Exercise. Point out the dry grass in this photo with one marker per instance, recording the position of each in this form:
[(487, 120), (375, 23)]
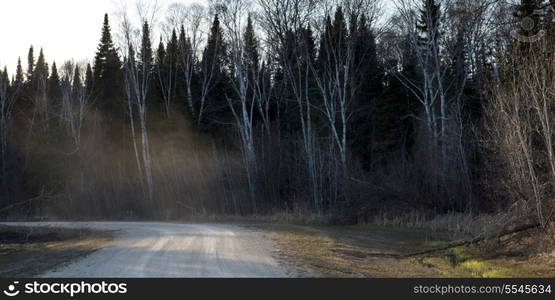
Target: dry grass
[(27, 252), (358, 251), (456, 224)]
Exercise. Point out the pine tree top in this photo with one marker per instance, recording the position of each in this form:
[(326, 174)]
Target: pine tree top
[(107, 58), (19, 77), (77, 78), (41, 68), (146, 53), (160, 54), (30, 63), (54, 72)]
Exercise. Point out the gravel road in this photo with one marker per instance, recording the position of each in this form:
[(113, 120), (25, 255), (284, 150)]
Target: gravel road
[(145, 249)]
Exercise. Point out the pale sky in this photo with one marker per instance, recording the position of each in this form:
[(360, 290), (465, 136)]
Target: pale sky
[(66, 29)]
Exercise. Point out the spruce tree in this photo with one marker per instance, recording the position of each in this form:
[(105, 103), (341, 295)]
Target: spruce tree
[(165, 75), (77, 84), (333, 43), (183, 44), (145, 53), (40, 74), (214, 55), (107, 69), (6, 77), (172, 53), (19, 77), (392, 128), (428, 24), (173, 48), (308, 41), (214, 61), (89, 79), (366, 58), (161, 60), (325, 42), (371, 112), (187, 70), (252, 56), (160, 56), (339, 33), (30, 64), (54, 83)]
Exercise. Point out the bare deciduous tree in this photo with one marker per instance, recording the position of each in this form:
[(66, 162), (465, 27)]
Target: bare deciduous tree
[(137, 84), (521, 133)]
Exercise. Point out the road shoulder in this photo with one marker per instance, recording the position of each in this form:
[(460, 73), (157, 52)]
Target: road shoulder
[(30, 251), (369, 252)]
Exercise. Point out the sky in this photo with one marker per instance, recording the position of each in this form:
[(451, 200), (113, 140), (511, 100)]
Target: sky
[(66, 29)]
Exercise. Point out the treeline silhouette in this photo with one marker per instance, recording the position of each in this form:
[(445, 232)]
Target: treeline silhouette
[(296, 106)]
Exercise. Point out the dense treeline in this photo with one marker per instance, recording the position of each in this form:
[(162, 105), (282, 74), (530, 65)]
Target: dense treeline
[(325, 107)]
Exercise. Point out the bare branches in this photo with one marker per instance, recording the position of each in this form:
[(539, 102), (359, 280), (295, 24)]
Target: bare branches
[(521, 133), (137, 79)]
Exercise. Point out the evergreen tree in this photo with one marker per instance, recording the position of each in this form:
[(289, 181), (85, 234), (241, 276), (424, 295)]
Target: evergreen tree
[(41, 72), (185, 57), (299, 51), (89, 79), (339, 34), (162, 70), (306, 37), (54, 83), (325, 42), (77, 84), (145, 53), (366, 61), (6, 77), (214, 55), (172, 53), (19, 77), (107, 69), (333, 42), (173, 48), (428, 25), (213, 71), (251, 56), (167, 71), (30, 64), (161, 55), (251, 59), (183, 43), (369, 75), (393, 128)]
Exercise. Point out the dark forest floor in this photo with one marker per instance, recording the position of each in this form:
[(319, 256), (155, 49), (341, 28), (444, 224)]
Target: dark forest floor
[(28, 252)]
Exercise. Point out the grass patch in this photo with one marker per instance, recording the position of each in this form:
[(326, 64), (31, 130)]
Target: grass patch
[(368, 251), (475, 262)]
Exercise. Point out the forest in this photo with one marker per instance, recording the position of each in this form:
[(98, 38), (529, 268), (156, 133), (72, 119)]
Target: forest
[(332, 111)]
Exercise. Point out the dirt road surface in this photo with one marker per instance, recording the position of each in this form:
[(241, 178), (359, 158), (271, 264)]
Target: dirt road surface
[(145, 249)]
